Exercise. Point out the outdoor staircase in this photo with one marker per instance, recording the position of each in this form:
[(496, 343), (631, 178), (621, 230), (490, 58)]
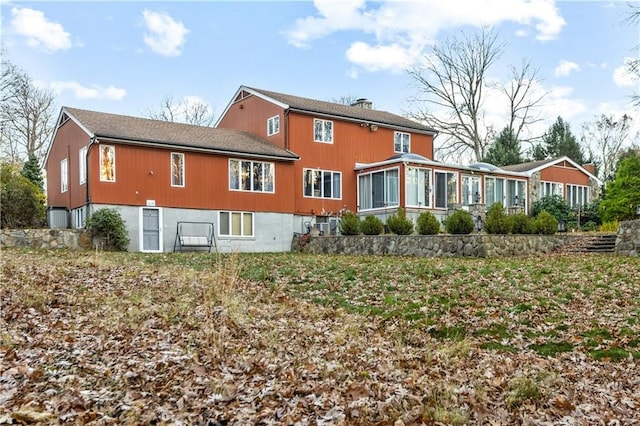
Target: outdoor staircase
[(598, 243)]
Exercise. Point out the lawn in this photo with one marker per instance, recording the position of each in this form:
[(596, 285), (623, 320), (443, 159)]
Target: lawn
[(123, 338)]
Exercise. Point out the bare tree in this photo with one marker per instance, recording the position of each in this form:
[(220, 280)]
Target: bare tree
[(26, 115), (634, 66), (606, 136), (345, 99), (191, 110), (453, 80)]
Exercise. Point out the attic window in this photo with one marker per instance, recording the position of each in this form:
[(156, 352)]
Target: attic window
[(63, 119)]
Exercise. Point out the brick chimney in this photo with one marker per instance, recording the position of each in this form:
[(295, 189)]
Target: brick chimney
[(591, 168), (363, 103)]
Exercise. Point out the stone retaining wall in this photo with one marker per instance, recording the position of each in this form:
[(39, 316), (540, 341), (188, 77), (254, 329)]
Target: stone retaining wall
[(73, 239), (472, 245), (628, 239)]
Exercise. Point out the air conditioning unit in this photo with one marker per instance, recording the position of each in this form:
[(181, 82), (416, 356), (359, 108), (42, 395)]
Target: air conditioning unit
[(324, 228)]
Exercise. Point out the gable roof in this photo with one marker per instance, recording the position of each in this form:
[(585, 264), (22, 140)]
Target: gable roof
[(346, 112), (145, 131), (534, 166)]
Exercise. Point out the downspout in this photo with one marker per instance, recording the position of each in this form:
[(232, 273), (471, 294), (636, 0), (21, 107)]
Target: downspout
[(92, 141)]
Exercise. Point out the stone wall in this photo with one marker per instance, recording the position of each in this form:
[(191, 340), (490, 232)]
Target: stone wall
[(472, 245), (73, 239), (628, 239)]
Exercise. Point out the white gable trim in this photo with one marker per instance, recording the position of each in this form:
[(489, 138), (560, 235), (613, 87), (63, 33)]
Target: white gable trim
[(254, 93), (570, 161), (63, 111)]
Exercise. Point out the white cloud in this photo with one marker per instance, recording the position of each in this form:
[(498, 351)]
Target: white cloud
[(622, 77), (565, 68), (164, 35), (38, 31), (376, 58), (94, 92), (398, 26)]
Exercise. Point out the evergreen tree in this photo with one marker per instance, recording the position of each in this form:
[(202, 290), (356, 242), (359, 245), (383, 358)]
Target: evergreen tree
[(622, 197), (505, 150), (558, 141), (32, 171)]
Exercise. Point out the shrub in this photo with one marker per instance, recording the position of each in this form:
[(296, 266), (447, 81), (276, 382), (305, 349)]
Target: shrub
[(519, 223), (609, 226), (371, 225), (496, 221), (460, 222), (545, 224), (22, 204), (553, 204), (399, 224), (427, 224), (107, 224), (349, 224)]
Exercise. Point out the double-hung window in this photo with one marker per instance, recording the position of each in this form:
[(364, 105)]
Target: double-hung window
[(82, 165), (322, 131), (235, 224), (64, 175), (379, 189), (418, 181), (322, 183), (177, 169), (401, 142), (273, 125), (446, 185), (254, 176)]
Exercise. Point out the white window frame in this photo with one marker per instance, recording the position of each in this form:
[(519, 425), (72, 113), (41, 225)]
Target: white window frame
[(64, 175), (493, 181), (311, 176), (231, 214), (182, 171), (448, 193), (414, 184), (581, 195), (102, 149), (401, 142), (273, 125), (548, 188), (390, 199), (469, 197), (325, 136), (522, 197), (82, 165), (239, 177)]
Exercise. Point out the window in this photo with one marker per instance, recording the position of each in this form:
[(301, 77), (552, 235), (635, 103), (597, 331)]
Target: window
[(516, 193), (235, 224), (418, 183), (446, 184), (107, 163), (64, 176), (273, 125), (471, 193), (322, 131), (548, 189), (493, 191), (322, 183), (577, 196), (177, 169), (401, 142), (379, 189), (82, 165), (252, 176)]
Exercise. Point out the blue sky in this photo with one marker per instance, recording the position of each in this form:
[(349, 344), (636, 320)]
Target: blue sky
[(125, 57)]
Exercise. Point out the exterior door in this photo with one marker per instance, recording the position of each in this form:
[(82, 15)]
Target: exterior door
[(151, 231)]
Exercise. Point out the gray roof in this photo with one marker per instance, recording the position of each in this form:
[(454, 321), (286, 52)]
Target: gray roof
[(144, 130), (525, 167), (345, 111)]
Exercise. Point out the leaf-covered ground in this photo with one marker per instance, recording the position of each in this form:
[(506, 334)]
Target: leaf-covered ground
[(104, 338)]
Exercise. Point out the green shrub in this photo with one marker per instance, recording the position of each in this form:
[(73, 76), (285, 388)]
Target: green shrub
[(519, 223), (399, 224), (349, 224), (22, 203), (545, 224), (427, 224), (371, 225), (107, 224), (553, 204), (496, 221), (609, 226), (460, 222)]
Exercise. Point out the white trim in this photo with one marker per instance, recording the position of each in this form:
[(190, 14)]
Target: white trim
[(184, 166), (401, 134), (315, 120), (276, 120), (82, 165), (559, 160), (141, 230), (321, 197), (100, 157), (64, 175)]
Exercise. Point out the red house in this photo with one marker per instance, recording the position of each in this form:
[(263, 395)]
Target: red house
[(274, 165)]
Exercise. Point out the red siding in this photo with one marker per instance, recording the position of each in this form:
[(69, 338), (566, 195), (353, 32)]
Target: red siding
[(564, 173)]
